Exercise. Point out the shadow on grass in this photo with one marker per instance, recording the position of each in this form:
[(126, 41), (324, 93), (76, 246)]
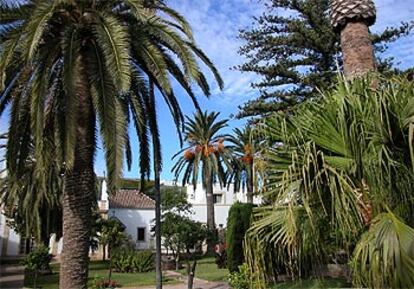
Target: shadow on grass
[(97, 269)]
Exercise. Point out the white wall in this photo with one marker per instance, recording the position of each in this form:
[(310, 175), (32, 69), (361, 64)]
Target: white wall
[(220, 214), (134, 218), (14, 243), (198, 196), (13, 239)]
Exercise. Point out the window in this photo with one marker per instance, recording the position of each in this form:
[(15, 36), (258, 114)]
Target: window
[(217, 198), (141, 234)]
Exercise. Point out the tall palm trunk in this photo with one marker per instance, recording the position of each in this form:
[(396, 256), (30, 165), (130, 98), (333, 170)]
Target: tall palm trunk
[(79, 193), (158, 272), (250, 186), (157, 171), (352, 18), (357, 49), (210, 216)]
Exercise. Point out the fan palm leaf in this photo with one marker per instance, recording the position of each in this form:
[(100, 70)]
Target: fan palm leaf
[(339, 162)]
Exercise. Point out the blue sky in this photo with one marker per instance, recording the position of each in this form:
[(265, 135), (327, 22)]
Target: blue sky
[(216, 24)]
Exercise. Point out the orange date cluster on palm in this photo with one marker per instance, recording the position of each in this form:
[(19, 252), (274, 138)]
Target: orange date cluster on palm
[(248, 155), (205, 150), (189, 155)]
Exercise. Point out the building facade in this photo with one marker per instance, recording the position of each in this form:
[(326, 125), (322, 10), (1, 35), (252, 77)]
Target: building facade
[(136, 211)]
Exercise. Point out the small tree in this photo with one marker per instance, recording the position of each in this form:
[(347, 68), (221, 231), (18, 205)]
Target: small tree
[(185, 236), (37, 261), (111, 235), (174, 206)]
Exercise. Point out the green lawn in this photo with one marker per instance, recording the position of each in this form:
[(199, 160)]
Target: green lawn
[(207, 270), (97, 269), (313, 284)]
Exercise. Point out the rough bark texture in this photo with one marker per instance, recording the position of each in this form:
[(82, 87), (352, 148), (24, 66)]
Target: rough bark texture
[(157, 171), (210, 216), (158, 268), (357, 49), (79, 194), (250, 186)]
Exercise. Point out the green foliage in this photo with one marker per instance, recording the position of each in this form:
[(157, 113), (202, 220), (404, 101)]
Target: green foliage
[(117, 52), (245, 162), (129, 260), (101, 283), (111, 232), (207, 152), (205, 149), (240, 278), (333, 166), (38, 260), (293, 49), (98, 269), (180, 233), (34, 208), (175, 199), (238, 223), (385, 256)]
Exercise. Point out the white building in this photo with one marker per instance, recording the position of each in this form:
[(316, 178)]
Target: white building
[(10, 241), (136, 211), (224, 198)]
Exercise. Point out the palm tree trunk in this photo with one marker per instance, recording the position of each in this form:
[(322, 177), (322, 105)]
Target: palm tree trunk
[(210, 216), (158, 268), (79, 194), (157, 171), (250, 186), (357, 49)]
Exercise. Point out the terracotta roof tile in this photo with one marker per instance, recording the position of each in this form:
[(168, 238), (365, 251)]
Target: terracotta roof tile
[(131, 199)]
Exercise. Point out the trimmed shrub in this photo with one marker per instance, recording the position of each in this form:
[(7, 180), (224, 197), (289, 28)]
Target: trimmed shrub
[(128, 260), (238, 222), (38, 260), (240, 279)]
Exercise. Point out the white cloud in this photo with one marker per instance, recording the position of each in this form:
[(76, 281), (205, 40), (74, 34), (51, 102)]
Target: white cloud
[(216, 25)]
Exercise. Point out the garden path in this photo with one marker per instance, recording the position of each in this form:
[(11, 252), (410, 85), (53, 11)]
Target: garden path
[(198, 283)]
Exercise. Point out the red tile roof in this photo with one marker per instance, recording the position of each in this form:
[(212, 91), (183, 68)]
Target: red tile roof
[(131, 199)]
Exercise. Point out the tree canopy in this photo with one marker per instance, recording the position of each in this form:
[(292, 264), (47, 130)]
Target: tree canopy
[(294, 50)]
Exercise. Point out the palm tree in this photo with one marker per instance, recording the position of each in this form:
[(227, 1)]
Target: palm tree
[(205, 149), (33, 202), (69, 67), (352, 18), (243, 174), (326, 160)]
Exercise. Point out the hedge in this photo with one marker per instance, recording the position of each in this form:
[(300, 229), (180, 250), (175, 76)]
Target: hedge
[(238, 222)]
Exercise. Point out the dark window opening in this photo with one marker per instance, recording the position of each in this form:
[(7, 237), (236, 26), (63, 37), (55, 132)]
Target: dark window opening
[(141, 235), (217, 198)]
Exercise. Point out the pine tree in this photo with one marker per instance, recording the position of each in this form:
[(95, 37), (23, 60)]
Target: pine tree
[(293, 47)]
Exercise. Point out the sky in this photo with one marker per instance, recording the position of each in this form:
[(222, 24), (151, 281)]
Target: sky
[(215, 25)]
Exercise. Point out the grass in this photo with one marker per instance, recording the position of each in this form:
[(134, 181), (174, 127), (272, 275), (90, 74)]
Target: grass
[(207, 270), (313, 284), (97, 269)]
